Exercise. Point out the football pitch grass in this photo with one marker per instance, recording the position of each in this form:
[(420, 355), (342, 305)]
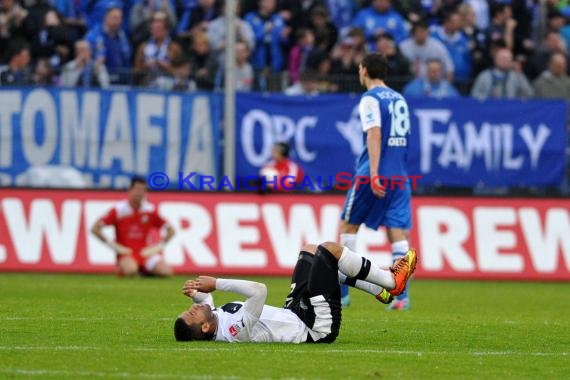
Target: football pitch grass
[(100, 326)]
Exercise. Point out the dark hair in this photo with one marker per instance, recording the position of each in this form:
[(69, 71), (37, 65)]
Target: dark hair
[(385, 35), (184, 332), (499, 43), (137, 179), (422, 23), (16, 47), (447, 15), (320, 10), (283, 148), (554, 13), (376, 65), (497, 8), (302, 32)]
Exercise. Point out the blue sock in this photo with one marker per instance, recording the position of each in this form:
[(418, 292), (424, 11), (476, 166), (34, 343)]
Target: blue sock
[(344, 290)]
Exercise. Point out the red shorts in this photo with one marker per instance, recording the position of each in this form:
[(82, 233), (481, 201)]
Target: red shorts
[(146, 264)]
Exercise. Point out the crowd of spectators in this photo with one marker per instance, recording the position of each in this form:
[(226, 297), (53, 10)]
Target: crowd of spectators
[(435, 48)]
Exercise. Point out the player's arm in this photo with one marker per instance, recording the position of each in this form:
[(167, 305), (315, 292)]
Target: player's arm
[(118, 248), (371, 124), (168, 234), (200, 298), (255, 292), (373, 139)]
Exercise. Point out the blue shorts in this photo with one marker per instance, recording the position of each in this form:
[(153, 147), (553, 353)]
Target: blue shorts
[(393, 211)]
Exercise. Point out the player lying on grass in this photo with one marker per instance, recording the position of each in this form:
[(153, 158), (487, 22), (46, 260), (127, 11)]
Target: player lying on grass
[(312, 310)]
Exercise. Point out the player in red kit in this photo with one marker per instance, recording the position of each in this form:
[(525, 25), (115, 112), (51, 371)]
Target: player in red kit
[(134, 219), (282, 173)]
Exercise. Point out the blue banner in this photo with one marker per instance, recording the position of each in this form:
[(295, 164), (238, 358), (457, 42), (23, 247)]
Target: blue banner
[(459, 142), (107, 135)]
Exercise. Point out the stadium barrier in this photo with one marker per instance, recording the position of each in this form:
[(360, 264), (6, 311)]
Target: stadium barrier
[(108, 136), (251, 234)]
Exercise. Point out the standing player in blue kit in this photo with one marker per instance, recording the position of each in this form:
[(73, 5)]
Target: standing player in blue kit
[(385, 120)]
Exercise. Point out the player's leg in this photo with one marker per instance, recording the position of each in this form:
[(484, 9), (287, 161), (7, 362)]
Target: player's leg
[(322, 298), (300, 278), (357, 206), (377, 291), (156, 266), (353, 265), (398, 221), (162, 269), (348, 233), (127, 266), (399, 240)]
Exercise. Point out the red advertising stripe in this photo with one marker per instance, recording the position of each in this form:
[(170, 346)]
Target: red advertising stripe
[(245, 234)]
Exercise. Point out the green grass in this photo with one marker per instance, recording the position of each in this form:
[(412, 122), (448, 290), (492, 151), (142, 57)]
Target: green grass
[(81, 326)]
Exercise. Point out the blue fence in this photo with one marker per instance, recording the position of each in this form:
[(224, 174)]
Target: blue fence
[(111, 135), (108, 135), (459, 142)]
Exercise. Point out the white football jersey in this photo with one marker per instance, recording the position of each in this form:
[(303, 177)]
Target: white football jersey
[(274, 325), (252, 320)]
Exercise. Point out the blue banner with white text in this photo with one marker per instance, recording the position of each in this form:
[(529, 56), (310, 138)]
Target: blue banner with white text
[(457, 142), (107, 136)]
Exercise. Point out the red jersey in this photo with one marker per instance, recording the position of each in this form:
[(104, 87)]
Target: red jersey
[(284, 168), (133, 227)]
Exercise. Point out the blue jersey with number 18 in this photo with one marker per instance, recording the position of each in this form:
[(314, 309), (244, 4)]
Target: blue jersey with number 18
[(384, 107)]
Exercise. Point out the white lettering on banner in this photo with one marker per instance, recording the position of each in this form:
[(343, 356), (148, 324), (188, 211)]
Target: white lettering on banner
[(545, 241), (303, 227), (80, 129), (249, 122), (27, 236), (232, 235), (536, 143), (5, 180), (509, 162), (39, 104), (489, 240), (118, 140), (438, 246), (98, 253), (275, 128), (300, 148), (200, 149), (493, 142), (496, 141), (476, 143), (149, 106), (452, 148), (366, 238), (117, 181), (283, 127), (173, 141), (191, 239), (428, 138), (10, 103), (470, 241)]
